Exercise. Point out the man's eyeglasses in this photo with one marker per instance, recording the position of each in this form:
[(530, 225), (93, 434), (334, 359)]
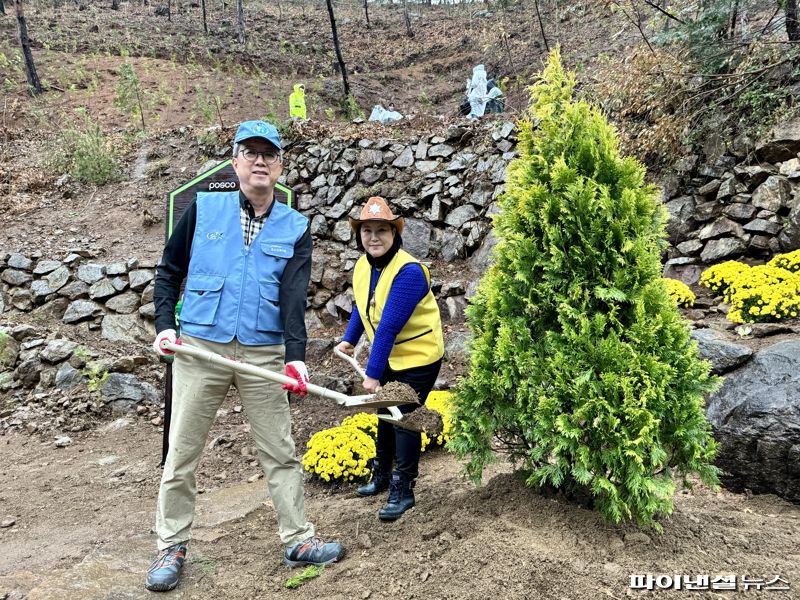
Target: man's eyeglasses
[(270, 156)]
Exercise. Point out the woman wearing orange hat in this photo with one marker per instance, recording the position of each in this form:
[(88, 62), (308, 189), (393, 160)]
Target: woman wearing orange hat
[(397, 310)]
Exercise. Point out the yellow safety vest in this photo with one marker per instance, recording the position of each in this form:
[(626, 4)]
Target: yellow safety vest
[(420, 342), (297, 103)]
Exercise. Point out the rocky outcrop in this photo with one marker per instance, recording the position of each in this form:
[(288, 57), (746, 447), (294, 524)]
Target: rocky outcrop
[(723, 355), (756, 416), (49, 382)]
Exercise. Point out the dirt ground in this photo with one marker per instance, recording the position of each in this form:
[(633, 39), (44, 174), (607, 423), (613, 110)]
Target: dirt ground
[(83, 516)]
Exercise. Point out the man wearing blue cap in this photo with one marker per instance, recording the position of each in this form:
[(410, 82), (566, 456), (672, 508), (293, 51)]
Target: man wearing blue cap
[(246, 260)]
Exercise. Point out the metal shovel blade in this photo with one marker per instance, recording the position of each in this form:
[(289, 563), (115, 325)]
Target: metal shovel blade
[(378, 403)]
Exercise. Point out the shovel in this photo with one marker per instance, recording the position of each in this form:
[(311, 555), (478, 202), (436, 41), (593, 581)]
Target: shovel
[(365, 401), (395, 417), (419, 420)]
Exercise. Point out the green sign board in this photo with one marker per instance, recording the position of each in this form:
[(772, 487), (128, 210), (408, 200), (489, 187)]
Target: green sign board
[(221, 178)]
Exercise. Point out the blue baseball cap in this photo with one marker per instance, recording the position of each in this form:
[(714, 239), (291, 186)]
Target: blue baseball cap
[(257, 129)]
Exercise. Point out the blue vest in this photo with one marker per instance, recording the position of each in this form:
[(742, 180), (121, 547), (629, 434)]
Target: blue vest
[(232, 290)]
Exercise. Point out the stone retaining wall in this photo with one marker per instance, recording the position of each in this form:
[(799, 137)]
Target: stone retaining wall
[(741, 205)]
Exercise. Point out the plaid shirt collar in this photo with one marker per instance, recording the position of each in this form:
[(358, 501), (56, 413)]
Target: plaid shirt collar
[(245, 205), (251, 224)]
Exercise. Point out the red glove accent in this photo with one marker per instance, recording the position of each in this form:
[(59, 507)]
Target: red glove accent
[(169, 335), (297, 370)]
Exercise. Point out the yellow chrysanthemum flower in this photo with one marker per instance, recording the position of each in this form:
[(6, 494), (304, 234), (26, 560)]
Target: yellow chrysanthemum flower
[(679, 292), (339, 453), (789, 261), (718, 277)]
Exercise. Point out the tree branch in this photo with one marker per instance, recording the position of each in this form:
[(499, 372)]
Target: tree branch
[(664, 12)]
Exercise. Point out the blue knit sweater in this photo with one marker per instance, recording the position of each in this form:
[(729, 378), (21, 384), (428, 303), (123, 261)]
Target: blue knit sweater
[(408, 288)]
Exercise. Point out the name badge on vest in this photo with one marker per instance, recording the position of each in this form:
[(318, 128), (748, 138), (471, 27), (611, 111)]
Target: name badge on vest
[(278, 251)]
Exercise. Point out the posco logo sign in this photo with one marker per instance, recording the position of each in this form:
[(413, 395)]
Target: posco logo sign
[(221, 185)]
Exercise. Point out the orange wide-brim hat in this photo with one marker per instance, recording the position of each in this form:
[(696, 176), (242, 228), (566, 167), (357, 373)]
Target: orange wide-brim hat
[(376, 209)]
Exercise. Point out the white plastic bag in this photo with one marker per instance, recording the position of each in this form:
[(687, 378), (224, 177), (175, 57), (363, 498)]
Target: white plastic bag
[(384, 116), (476, 92)]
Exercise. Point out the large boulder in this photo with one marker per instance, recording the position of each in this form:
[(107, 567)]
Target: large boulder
[(68, 377), (482, 259), (58, 350), (782, 143), (9, 350), (28, 372), (756, 419), (417, 238), (716, 250), (723, 355), (126, 328), (681, 218), (124, 391), (80, 310)]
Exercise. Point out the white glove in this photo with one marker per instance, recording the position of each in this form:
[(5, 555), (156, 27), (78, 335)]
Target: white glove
[(345, 347), (297, 370), (170, 336)]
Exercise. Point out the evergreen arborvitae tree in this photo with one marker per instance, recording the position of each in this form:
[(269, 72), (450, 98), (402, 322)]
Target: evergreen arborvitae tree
[(581, 367)]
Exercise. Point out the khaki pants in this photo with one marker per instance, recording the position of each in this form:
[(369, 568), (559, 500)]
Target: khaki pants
[(198, 390)]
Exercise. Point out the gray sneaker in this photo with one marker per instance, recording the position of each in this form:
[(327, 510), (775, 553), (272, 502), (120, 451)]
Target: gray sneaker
[(313, 551), (163, 574)]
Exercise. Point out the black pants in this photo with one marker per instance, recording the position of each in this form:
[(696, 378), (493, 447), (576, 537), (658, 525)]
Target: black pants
[(403, 445)]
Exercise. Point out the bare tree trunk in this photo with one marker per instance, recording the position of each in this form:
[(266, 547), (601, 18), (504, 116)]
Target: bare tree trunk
[(504, 37), (3, 7), (240, 22), (366, 11), (280, 12), (541, 25), (205, 23), (114, 4), (409, 33), (792, 25), (141, 108), (733, 21), (342, 66), (30, 68), (169, 10)]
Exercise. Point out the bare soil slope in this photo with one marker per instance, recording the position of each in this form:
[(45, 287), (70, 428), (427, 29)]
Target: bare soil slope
[(83, 516)]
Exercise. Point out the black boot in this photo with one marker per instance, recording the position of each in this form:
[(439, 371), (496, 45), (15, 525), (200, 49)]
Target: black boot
[(379, 482), (401, 497)]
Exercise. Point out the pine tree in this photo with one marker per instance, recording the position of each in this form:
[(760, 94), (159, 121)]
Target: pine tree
[(581, 367), (131, 97)]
